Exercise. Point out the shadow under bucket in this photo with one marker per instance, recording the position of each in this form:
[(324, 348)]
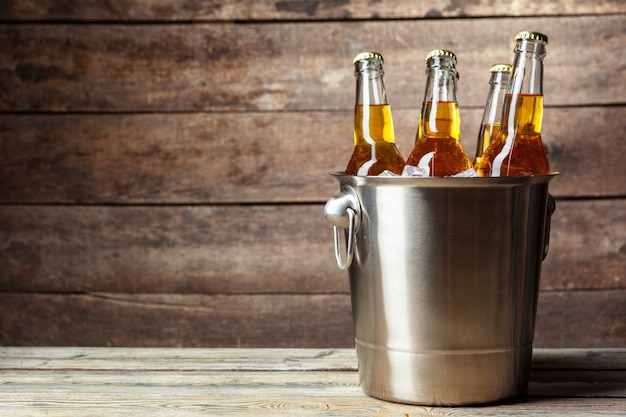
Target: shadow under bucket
[(444, 278)]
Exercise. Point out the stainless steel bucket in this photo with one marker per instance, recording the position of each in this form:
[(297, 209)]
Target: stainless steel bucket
[(444, 275)]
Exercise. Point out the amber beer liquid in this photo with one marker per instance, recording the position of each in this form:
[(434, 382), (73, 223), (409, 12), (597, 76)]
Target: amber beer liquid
[(374, 144), (438, 150), (519, 150), (375, 150), (487, 133), (492, 115), (440, 135)]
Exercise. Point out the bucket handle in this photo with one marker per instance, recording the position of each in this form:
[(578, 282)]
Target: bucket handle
[(349, 242), (551, 207), (344, 211)]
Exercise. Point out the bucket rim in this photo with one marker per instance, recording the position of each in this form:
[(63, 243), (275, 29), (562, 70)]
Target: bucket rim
[(443, 182)]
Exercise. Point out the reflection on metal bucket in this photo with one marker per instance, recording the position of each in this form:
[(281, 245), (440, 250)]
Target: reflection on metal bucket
[(444, 275)]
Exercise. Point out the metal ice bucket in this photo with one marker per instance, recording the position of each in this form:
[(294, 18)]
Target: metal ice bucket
[(444, 276)]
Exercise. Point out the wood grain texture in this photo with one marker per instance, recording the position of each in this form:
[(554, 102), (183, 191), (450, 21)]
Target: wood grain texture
[(287, 66), (304, 382), (280, 401), (234, 359), (30, 358), (229, 249), (190, 320), (255, 157), (163, 164), (250, 10), (578, 255), (292, 320), (564, 317), (249, 249), (250, 382), (182, 158)]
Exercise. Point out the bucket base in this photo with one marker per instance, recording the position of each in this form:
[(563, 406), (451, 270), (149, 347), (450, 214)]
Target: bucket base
[(443, 377)]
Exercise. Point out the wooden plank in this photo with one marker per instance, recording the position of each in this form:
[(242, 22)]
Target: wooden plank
[(183, 383), (236, 384), (40, 379), (188, 158), (254, 157), (577, 359), (287, 66), (175, 320), (32, 358), (577, 255), (115, 401), (248, 249), (564, 319), (224, 249), (56, 381), (581, 318), (580, 164), (276, 249), (249, 10)]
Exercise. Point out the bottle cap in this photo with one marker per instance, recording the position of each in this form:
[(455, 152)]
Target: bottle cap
[(367, 55), (500, 68), (441, 52), (533, 36)]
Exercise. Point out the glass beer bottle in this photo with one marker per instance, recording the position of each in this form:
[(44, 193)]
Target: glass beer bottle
[(375, 149), (438, 148), (517, 150), (493, 108)]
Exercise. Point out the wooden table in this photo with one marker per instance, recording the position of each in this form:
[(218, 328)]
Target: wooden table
[(134, 382)]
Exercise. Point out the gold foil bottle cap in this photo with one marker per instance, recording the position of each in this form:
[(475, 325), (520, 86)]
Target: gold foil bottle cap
[(441, 52), (533, 36), (367, 55), (500, 68)]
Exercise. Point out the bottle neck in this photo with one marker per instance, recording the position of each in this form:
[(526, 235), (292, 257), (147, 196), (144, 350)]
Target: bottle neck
[(441, 83), (370, 88), (523, 105), (439, 118), (372, 116), (527, 71), (497, 89), (499, 79)]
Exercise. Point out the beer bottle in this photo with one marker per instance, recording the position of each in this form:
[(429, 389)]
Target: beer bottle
[(517, 150), (374, 139), (438, 148), (493, 109)]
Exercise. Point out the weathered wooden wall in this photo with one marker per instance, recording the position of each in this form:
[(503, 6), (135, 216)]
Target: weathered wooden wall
[(164, 164)]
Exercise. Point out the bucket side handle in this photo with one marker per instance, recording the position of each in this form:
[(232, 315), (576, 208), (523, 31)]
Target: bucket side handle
[(343, 265), (551, 207), (343, 211)]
